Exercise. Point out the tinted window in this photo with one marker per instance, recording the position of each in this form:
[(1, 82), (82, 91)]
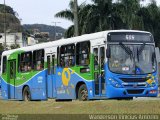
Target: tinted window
[(67, 56), (25, 63), (38, 60), (4, 64), (82, 53)]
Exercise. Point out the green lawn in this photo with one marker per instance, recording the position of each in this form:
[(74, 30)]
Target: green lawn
[(77, 107)]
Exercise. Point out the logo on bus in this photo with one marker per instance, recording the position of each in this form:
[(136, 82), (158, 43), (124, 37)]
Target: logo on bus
[(66, 76), (135, 85)]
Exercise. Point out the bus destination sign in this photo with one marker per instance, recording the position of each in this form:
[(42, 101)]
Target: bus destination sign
[(130, 37)]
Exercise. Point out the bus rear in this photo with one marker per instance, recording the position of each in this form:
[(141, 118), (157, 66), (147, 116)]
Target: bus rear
[(131, 67)]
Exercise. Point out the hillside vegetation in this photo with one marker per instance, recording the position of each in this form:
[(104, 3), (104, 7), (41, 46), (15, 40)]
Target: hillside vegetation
[(45, 28), (12, 21)]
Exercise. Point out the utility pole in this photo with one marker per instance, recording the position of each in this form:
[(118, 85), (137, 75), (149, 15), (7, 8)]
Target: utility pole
[(55, 25), (5, 45), (75, 11)]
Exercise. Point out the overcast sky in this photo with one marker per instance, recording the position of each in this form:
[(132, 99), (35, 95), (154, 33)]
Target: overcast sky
[(41, 11)]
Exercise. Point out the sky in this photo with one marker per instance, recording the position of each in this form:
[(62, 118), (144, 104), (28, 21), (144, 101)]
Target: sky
[(42, 11)]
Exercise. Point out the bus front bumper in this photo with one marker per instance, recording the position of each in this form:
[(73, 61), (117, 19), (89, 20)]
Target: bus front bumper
[(113, 92)]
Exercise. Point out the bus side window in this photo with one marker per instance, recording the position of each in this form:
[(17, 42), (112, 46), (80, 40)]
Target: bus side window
[(53, 64), (38, 60), (82, 53), (62, 55), (102, 56), (48, 65), (25, 64), (4, 68), (19, 60), (58, 57), (95, 52), (68, 55)]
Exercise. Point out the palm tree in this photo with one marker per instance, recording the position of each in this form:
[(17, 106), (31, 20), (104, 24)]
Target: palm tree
[(69, 15), (92, 17), (100, 15), (104, 14), (66, 14), (128, 13), (151, 18)]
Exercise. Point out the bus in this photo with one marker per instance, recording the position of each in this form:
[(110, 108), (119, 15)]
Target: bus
[(115, 64)]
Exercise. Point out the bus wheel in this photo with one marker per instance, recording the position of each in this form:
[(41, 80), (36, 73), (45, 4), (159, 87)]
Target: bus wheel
[(83, 93), (26, 94)]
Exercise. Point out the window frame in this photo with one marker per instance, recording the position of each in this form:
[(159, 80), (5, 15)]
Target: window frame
[(4, 72), (23, 62), (79, 55), (69, 54), (35, 60)]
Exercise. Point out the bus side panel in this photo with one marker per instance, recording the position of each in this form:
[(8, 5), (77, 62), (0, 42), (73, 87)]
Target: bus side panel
[(54, 87), (51, 86), (4, 89), (63, 91), (18, 93), (38, 86), (66, 81)]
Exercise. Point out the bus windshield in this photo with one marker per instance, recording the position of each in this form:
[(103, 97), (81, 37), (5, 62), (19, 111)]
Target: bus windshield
[(132, 59)]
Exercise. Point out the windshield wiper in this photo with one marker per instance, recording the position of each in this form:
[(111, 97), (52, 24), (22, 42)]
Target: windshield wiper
[(140, 49), (127, 50)]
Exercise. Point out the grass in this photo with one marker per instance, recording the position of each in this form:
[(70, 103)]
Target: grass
[(77, 107)]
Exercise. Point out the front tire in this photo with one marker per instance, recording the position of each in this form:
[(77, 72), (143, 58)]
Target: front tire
[(83, 93), (26, 94)]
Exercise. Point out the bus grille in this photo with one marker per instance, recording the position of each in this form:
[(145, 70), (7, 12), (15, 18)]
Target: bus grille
[(137, 85), (134, 79), (135, 91)]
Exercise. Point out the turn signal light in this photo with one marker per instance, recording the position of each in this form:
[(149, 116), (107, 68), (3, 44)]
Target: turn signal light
[(152, 91)]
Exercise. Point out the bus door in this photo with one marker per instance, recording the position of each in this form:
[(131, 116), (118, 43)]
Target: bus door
[(51, 75), (98, 63), (11, 79)]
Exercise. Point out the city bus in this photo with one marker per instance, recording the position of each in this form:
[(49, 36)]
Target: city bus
[(115, 64)]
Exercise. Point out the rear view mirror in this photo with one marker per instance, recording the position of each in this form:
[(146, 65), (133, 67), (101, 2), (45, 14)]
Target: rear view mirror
[(108, 52)]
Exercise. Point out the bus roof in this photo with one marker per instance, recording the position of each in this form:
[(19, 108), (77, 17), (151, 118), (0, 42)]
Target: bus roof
[(60, 42)]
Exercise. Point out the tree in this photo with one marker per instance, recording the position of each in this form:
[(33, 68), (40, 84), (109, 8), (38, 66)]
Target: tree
[(69, 15), (12, 21), (86, 13), (1, 48), (122, 14), (8, 10), (152, 24), (14, 46)]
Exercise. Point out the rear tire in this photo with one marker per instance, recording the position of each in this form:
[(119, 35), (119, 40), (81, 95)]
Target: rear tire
[(26, 94), (83, 93)]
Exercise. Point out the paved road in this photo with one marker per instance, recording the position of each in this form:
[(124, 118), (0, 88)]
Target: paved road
[(147, 98)]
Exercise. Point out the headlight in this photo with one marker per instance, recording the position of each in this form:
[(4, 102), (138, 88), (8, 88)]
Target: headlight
[(114, 83)]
